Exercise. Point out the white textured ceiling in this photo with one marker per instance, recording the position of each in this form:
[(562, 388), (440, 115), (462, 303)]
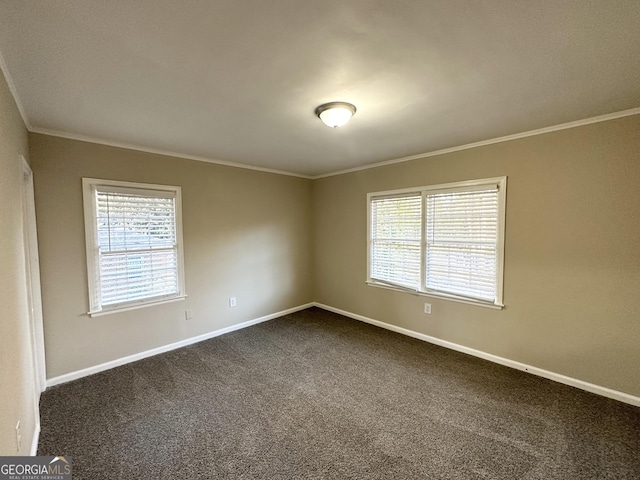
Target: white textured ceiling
[(239, 80)]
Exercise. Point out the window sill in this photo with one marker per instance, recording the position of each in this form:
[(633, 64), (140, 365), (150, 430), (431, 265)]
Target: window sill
[(109, 311), (442, 296)]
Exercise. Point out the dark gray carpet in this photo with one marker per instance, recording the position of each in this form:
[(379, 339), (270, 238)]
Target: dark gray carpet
[(315, 395)]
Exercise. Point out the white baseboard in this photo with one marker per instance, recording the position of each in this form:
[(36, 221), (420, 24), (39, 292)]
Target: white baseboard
[(573, 382), (36, 436), (36, 421), (67, 377)]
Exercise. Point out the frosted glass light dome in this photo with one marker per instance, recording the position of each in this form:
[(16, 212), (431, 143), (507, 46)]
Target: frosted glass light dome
[(335, 114)]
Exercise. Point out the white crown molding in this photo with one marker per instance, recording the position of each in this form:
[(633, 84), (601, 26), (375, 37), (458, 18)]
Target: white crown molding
[(508, 138), (556, 377), (68, 377), (158, 151), (14, 91)]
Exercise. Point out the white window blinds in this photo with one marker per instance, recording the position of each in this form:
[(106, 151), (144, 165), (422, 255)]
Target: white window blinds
[(440, 240), (395, 240), (137, 247), (136, 253), (461, 242)]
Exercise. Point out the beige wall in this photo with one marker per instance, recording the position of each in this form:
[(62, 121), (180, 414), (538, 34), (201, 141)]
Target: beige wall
[(246, 234), (17, 388), (572, 268)]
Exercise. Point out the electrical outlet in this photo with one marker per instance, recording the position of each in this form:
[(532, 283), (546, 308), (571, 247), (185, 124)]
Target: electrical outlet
[(427, 308), (18, 437), (188, 314), (232, 302)]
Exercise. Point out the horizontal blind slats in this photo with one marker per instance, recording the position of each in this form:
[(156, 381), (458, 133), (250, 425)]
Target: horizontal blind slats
[(396, 224), (137, 248), (461, 241)]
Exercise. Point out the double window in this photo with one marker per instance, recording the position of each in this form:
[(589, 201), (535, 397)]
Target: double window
[(134, 244), (442, 240)]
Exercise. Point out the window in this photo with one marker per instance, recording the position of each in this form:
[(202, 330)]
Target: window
[(134, 244), (442, 240)]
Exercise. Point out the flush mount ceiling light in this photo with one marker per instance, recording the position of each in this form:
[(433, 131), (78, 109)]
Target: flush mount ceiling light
[(335, 114)]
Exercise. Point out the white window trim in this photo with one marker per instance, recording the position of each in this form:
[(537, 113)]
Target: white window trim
[(463, 186), (89, 186)]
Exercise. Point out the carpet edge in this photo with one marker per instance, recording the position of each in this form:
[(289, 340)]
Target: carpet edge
[(68, 377), (556, 377)]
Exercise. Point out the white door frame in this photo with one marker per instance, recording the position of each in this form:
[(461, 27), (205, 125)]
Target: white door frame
[(32, 267)]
